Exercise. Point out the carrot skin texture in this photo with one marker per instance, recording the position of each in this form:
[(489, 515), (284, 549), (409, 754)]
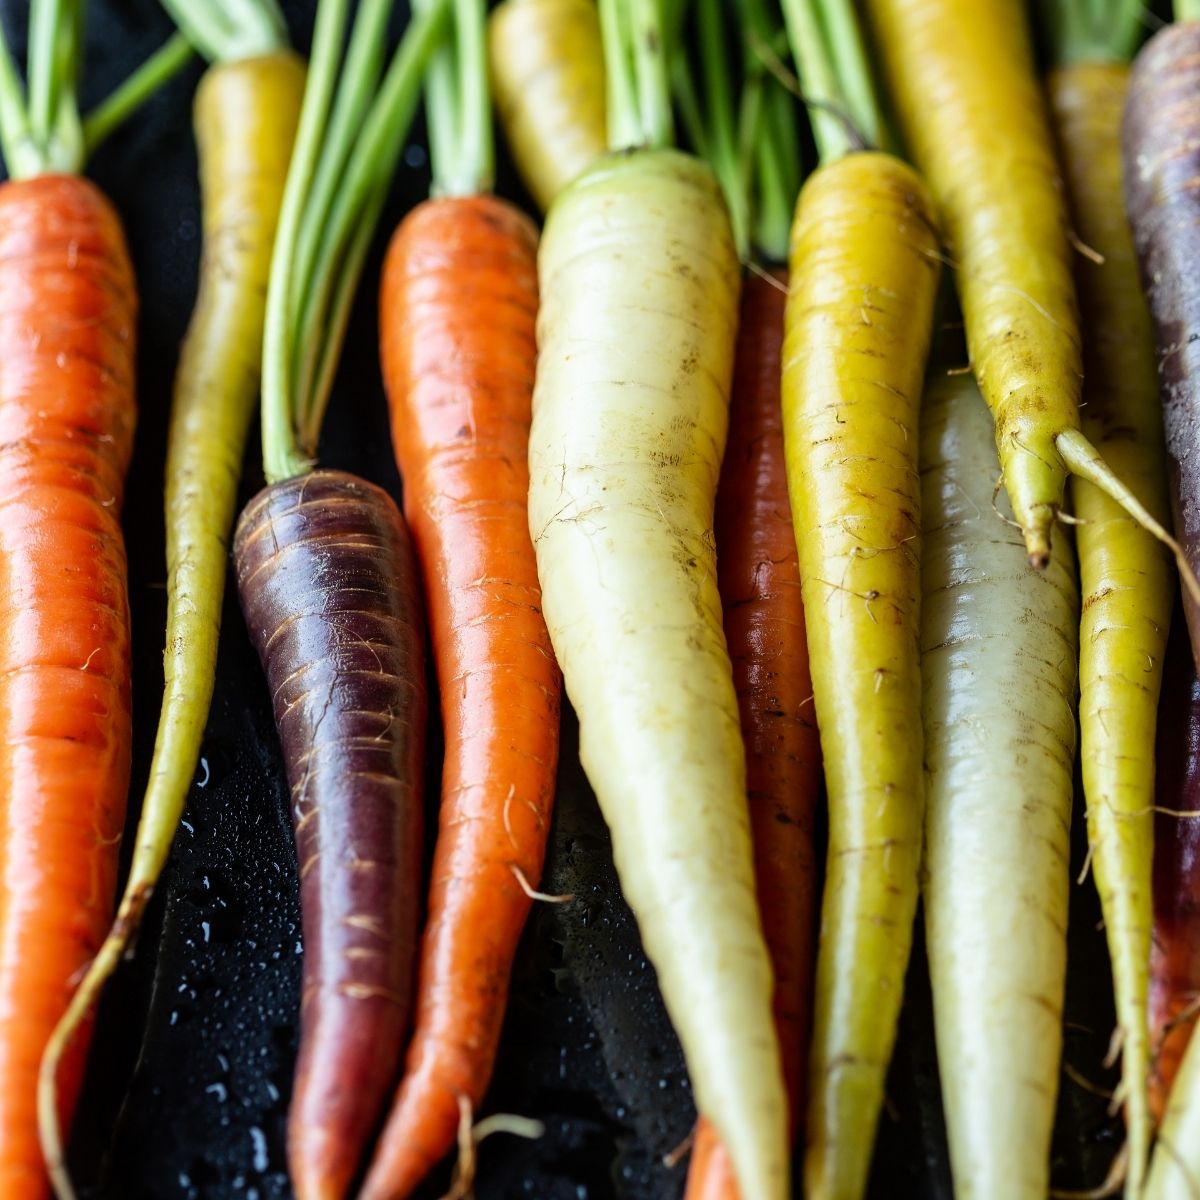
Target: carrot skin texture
[(758, 573), (961, 70), (1000, 747), (459, 364), (1175, 955), (1127, 579), (329, 589), (630, 416), (864, 278), (1162, 197), (547, 70), (67, 415)]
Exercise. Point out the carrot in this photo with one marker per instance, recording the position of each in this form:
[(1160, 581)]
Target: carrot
[(547, 70), (245, 116), (1127, 581), (67, 415), (864, 272), (639, 282), (757, 565), (457, 314), (1164, 213), (1175, 950), (328, 587), (999, 645), (962, 75)]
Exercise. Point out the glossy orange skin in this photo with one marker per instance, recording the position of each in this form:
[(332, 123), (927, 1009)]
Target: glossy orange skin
[(759, 578), (67, 415), (457, 317)]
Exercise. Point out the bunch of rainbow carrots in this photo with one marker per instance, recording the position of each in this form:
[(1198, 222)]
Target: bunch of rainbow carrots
[(850, 456)]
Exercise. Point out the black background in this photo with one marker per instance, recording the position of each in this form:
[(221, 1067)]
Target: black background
[(190, 1072)]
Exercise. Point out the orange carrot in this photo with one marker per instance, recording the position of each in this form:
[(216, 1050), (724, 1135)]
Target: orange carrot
[(759, 577), (67, 317), (458, 307)]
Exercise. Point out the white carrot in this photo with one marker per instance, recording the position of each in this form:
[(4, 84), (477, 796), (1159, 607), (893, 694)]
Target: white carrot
[(999, 654)]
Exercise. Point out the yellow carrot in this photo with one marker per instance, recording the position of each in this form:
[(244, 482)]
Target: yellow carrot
[(1127, 580), (864, 271)]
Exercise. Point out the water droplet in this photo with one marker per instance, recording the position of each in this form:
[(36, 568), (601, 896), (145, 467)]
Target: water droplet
[(258, 1141), (219, 1090)]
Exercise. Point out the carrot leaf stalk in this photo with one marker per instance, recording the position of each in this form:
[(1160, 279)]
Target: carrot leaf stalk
[(230, 30), (116, 108), (328, 586)]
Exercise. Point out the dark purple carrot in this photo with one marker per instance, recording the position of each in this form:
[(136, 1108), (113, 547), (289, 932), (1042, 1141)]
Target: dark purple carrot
[(329, 589), (1175, 954), (1161, 151)]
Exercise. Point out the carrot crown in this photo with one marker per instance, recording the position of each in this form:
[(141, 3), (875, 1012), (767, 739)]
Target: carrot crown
[(227, 30), (1099, 30), (353, 123), (749, 140), (831, 58), (458, 106), (43, 133), (635, 63)]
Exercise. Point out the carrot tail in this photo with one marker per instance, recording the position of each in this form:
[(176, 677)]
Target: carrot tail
[(759, 579), (459, 363), (329, 591), (67, 322)]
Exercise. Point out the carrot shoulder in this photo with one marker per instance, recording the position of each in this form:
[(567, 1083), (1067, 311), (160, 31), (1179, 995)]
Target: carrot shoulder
[(67, 324), (458, 309)]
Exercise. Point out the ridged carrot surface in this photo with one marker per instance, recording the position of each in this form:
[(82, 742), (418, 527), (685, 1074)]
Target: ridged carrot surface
[(457, 316), (1127, 579), (963, 80), (864, 272), (329, 589), (758, 573), (67, 326)]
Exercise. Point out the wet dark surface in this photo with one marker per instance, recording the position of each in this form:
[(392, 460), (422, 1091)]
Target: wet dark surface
[(190, 1073)]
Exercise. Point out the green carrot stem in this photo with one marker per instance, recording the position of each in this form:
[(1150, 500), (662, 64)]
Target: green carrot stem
[(442, 117), (338, 317), (281, 458), (45, 20), (115, 109), (728, 165), (1094, 30), (650, 70), (359, 78), (777, 173), (815, 67), (374, 157), (624, 124), (474, 165), (20, 154), (1187, 10), (687, 102), (229, 30)]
